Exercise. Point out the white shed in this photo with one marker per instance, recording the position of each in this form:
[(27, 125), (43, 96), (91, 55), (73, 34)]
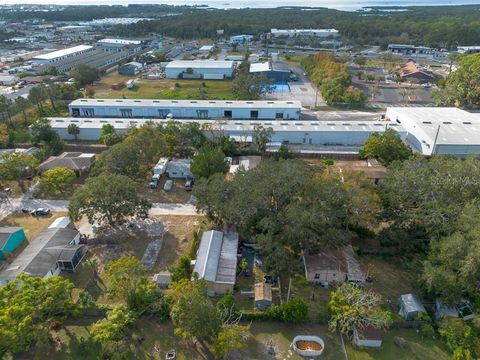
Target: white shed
[(367, 337), (410, 306)]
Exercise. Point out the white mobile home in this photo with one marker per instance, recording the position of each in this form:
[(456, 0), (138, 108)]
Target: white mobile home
[(199, 69), (185, 109)]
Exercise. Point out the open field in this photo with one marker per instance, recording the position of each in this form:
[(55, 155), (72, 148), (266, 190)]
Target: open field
[(31, 225), (165, 89), (417, 348)]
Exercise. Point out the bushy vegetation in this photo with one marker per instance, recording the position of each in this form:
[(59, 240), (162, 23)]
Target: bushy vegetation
[(332, 78)]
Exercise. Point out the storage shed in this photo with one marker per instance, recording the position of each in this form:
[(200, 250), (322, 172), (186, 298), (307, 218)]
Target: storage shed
[(163, 279), (409, 306), (367, 337), (11, 238), (263, 295)]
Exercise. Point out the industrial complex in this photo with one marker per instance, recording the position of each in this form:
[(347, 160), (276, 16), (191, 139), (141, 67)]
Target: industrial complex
[(185, 109)]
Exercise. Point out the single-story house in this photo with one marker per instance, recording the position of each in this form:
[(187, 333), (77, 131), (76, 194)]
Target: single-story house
[(179, 168), (131, 68), (367, 337), (263, 295), (409, 306), (163, 279), (11, 238), (331, 266), (79, 162), (51, 251), (216, 261)]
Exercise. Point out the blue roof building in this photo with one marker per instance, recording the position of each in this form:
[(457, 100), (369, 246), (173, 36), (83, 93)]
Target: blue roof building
[(10, 239)]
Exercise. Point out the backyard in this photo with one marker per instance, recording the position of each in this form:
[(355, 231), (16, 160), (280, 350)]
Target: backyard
[(164, 89)]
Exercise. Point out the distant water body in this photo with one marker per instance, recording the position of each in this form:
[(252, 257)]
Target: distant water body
[(232, 4)]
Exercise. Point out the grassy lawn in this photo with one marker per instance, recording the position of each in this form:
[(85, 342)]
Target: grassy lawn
[(390, 278), (31, 225), (417, 348), (165, 89), (178, 238), (293, 59), (316, 298), (149, 339)]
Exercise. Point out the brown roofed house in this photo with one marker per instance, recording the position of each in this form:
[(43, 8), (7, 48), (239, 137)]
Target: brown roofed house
[(76, 161), (412, 71), (368, 337)]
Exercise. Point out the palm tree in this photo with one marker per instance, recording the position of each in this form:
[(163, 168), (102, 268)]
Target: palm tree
[(74, 130)]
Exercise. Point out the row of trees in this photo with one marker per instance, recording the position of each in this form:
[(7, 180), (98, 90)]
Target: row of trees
[(462, 86), (333, 79)]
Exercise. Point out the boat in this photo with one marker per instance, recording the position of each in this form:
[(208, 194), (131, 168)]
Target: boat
[(308, 346)]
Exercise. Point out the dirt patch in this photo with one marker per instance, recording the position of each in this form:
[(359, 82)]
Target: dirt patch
[(176, 195)]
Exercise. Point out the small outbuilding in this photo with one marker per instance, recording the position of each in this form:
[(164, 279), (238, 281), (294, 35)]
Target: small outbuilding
[(369, 337), (131, 68), (163, 279), (409, 306), (461, 309), (263, 295), (11, 238)]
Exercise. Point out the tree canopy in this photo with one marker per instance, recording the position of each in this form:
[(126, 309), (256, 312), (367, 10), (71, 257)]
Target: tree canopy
[(109, 198), (57, 180), (28, 305), (209, 160), (386, 147)]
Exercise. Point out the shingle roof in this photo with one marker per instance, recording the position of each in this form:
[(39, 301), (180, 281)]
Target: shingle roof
[(70, 160)]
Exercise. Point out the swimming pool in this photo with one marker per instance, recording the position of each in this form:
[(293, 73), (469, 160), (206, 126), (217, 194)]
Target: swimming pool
[(281, 87)]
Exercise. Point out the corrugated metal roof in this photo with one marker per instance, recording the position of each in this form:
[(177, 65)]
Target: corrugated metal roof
[(208, 64), (63, 52)]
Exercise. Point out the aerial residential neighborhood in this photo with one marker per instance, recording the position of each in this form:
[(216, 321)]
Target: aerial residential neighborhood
[(239, 181)]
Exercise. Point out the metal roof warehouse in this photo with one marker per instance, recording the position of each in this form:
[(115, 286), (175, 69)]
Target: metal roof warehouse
[(198, 109), (61, 54)]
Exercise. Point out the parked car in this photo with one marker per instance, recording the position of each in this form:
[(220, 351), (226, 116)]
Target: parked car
[(189, 183), (168, 185), (40, 212)]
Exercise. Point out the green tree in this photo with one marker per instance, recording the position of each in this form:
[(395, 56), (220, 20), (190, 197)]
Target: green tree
[(22, 105), (251, 87), (192, 313), (386, 147), (294, 311), (114, 327), (109, 198), (182, 269), (74, 130), (37, 96), (462, 87), (462, 338), (360, 61), (108, 135), (84, 74), (29, 305), (208, 161), (261, 137), (57, 180), (231, 337), (15, 165), (90, 92), (351, 307), (453, 264)]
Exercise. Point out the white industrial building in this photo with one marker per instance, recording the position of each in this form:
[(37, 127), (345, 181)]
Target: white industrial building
[(62, 54), (199, 69), (439, 130), (185, 109), (334, 134), (322, 33)]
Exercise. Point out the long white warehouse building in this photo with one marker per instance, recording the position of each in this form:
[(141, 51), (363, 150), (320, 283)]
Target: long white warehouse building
[(305, 132), (185, 109), (439, 130), (199, 69)]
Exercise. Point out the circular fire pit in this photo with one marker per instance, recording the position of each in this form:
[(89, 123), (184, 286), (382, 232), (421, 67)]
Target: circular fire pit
[(308, 346)]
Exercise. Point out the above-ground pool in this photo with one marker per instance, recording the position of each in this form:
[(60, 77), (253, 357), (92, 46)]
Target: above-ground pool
[(280, 87)]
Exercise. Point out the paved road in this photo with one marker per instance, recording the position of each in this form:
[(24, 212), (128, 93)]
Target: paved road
[(62, 205)]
